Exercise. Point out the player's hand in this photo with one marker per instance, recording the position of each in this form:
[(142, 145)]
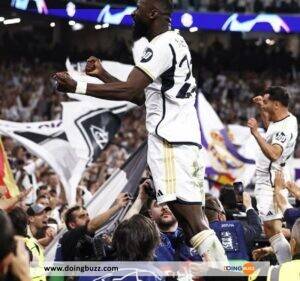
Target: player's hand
[(94, 67), (259, 254), (258, 100), (64, 82), (253, 125), (279, 181)]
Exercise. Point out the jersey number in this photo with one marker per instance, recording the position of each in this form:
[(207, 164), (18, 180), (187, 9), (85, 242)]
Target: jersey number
[(184, 92)]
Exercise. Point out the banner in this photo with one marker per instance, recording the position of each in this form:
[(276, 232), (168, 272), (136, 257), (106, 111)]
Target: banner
[(125, 179), (230, 152), (8, 187), (69, 145)]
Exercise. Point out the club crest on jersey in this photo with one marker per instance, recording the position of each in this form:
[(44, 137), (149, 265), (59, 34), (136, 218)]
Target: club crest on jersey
[(147, 56), (280, 137)]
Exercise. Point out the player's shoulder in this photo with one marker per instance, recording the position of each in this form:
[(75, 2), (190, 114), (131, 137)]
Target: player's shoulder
[(290, 121), (293, 118), (170, 38), (286, 122)]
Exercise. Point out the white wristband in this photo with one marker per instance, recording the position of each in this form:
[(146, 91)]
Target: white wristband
[(81, 88)]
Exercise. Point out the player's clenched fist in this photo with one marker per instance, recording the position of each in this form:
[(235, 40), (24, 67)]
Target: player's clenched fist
[(94, 67), (64, 82), (253, 125), (259, 100)]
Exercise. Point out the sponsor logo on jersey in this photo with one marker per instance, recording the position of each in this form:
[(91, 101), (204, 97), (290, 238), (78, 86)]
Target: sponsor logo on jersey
[(147, 56), (280, 137)]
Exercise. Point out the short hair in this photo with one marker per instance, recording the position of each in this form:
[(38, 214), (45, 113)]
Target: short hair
[(280, 94), (149, 202), (69, 215), (166, 5), (227, 197), (136, 239), (6, 235), (296, 232), (19, 220)]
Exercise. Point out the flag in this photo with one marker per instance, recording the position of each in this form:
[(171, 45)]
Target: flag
[(125, 179), (7, 183), (227, 160), (67, 145)]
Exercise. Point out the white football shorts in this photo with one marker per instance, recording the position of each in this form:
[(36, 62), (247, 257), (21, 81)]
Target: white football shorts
[(266, 203), (177, 171)]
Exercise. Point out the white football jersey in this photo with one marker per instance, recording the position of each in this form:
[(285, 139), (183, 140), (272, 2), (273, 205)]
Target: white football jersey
[(283, 133), (170, 100)]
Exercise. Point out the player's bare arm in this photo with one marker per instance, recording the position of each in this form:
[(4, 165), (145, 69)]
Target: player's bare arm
[(259, 101), (126, 91), (271, 151), (95, 68)]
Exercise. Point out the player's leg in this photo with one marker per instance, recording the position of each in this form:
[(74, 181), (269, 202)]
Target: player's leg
[(195, 225), (271, 217), (178, 173)]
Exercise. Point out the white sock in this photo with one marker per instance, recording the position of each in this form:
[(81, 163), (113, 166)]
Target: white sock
[(209, 247), (281, 248)]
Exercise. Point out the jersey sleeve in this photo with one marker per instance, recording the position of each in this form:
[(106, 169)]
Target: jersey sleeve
[(156, 59), (281, 137)]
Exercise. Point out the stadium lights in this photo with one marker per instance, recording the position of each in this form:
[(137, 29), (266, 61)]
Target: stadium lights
[(72, 23), (2, 19), (52, 24), (77, 26), (12, 21), (270, 42), (71, 9), (98, 26), (187, 20), (194, 29)]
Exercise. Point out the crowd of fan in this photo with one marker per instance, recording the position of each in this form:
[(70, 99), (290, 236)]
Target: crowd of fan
[(148, 232), (39, 214), (248, 6), (242, 6)]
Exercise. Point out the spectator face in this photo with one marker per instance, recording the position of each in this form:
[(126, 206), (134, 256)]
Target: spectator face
[(53, 181), (21, 154), (44, 191), (162, 215), (43, 201), (81, 218), (39, 220)]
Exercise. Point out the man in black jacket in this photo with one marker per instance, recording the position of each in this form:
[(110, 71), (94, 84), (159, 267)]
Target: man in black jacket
[(80, 226), (236, 237)]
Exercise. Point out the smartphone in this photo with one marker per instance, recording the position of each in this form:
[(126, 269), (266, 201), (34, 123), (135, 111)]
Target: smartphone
[(238, 188)]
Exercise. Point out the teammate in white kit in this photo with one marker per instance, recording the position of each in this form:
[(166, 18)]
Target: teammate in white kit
[(174, 146), (276, 148)]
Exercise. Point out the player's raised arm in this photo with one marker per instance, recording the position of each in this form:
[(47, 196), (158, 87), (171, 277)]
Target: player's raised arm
[(271, 150), (131, 90), (259, 101)]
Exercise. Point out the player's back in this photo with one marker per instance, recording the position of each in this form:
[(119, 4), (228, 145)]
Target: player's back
[(170, 99)]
